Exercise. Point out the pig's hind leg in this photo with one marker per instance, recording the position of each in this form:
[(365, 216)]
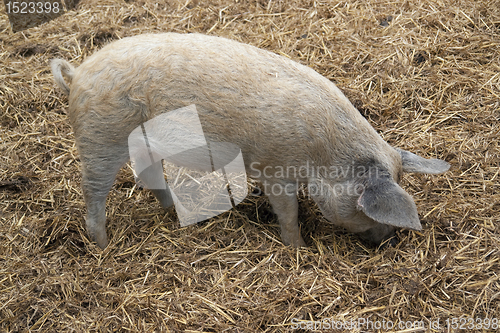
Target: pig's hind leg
[(153, 178), (100, 165)]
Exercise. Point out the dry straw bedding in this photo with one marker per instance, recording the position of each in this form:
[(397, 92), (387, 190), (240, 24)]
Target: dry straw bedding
[(424, 73)]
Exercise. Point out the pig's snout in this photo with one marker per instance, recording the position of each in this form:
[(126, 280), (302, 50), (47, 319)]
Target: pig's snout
[(380, 234)]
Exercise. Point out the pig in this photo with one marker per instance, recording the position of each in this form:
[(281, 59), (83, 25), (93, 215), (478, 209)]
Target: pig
[(281, 114)]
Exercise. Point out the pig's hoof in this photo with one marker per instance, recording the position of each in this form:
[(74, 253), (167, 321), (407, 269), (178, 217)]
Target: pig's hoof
[(101, 240), (302, 243), (296, 243)]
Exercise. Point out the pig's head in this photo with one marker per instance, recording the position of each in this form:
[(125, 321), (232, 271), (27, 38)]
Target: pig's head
[(370, 202)]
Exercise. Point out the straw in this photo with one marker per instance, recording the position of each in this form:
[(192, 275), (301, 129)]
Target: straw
[(425, 75)]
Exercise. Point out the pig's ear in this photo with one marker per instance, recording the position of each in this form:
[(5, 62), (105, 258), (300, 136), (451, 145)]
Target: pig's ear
[(417, 164), (384, 201)]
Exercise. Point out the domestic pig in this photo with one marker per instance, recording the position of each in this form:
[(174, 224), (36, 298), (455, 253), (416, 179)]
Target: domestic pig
[(281, 114)]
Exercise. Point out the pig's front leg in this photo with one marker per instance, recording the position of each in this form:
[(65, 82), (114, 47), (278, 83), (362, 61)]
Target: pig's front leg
[(283, 199)]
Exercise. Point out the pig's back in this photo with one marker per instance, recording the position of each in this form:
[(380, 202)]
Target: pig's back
[(253, 98)]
